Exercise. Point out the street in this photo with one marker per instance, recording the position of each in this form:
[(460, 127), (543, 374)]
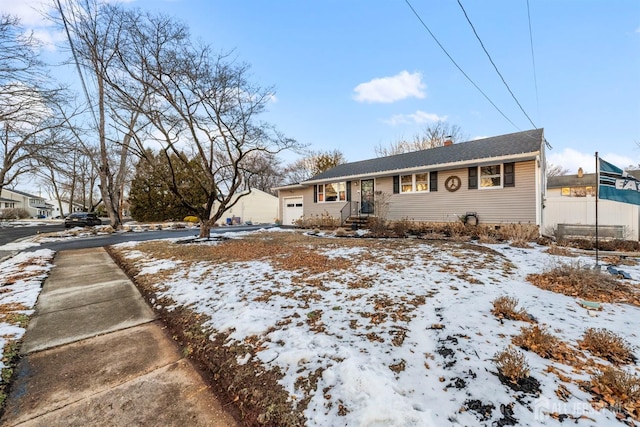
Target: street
[(110, 239), (11, 234)]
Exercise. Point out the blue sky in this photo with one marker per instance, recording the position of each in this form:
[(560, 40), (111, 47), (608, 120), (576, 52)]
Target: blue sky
[(351, 75)]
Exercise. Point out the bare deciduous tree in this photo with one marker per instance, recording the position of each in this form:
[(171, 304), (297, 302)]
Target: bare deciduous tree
[(27, 106), (314, 163), (154, 87), (203, 105), (432, 136), (98, 34), (555, 170), (264, 174)]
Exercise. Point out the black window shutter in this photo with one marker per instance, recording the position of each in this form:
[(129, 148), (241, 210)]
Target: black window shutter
[(348, 191), (433, 181), (473, 178), (396, 184), (509, 175), (315, 194)]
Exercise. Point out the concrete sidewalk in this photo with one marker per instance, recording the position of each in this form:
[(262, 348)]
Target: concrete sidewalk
[(94, 355)]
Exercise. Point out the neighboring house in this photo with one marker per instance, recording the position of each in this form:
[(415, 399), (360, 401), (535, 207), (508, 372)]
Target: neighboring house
[(76, 207), (501, 179), (256, 207), (36, 206), (571, 199)]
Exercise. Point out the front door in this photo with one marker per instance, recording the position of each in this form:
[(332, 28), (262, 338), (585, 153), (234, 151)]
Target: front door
[(367, 196)]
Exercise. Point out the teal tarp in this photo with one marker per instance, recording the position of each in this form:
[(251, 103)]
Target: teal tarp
[(616, 184)]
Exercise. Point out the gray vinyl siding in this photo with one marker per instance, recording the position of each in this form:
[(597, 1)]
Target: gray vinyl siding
[(316, 209), (501, 205), (312, 209), (493, 206)]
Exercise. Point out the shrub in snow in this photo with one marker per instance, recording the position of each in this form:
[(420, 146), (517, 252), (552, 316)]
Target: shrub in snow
[(608, 345), (512, 364)]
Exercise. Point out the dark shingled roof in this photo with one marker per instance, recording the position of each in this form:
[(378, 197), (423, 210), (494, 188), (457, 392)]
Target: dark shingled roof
[(575, 181), (527, 142), (22, 193), (571, 180)]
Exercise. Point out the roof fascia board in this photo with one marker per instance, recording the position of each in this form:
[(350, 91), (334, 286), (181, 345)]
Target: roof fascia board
[(291, 187)]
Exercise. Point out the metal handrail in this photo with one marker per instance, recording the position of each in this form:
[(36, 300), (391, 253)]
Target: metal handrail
[(349, 209)]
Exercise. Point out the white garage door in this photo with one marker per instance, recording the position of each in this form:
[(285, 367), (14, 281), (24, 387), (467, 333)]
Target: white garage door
[(292, 210)]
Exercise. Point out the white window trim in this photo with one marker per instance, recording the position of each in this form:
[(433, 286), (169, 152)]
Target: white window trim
[(480, 187), (324, 192), (414, 185), (426, 181)]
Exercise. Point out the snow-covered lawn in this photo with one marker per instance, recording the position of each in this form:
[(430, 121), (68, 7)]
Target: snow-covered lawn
[(387, 332), (21, 279)]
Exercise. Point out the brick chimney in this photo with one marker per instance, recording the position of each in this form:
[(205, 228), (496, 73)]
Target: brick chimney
[(447, 141)]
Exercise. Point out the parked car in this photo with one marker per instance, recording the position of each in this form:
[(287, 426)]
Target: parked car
[(82, 219)]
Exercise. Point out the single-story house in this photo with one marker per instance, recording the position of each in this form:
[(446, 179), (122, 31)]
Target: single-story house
[(571, 200), (501, 179), (36, 206), (255, 206)]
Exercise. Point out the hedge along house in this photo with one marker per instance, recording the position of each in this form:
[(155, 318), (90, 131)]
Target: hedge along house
[(499, 179)]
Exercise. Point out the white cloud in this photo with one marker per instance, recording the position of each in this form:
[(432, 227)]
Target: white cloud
[(33, 17), (414, 118), (390, 89), (31, 12), (572, 159), (49, 39)]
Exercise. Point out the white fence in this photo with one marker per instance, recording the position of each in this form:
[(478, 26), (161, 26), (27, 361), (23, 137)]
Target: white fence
[(582, 210)]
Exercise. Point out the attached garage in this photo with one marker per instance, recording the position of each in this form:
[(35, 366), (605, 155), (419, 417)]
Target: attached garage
[(292, 210)]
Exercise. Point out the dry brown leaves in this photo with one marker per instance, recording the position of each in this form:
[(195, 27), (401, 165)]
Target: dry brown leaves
[(617, 391), (543, 343), (560, 251), (579, 282), (538, 340), (607, 345), (505, 307), (512, 364)]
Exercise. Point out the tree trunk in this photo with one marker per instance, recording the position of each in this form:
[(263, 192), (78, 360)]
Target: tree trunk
[(205, 229), (106, 181)]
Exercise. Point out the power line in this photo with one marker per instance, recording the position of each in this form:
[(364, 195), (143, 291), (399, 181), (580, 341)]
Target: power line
[(533, 60), (494, 64), (77, 62), (456, 64)]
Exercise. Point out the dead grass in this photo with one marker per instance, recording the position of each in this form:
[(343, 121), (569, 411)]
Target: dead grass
[(576, 280), (323, 221), (538, 340), (487, 234), (618, 260), (512, 364), (519, 234), (560, 251), (608, 345), (401, 227), (303, 253), (618, 391), (14, 314), (505, 307)]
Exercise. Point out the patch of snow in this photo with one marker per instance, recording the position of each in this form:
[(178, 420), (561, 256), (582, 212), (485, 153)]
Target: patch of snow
[(18, 246), (20, 284), (369, 333)]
